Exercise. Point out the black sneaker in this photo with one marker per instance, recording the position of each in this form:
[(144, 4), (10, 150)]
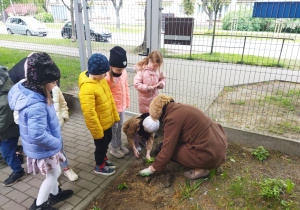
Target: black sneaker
[(13, 178), (44, 206), (61, 196)]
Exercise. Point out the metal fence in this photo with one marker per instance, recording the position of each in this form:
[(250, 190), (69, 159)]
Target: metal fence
[(248, 80)]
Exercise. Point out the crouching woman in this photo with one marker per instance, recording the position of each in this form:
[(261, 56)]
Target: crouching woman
[(190, 138)]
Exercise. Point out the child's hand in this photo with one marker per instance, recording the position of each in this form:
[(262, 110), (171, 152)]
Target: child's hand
[(148, 157), (136, 153), (160, 86), (151, 88)]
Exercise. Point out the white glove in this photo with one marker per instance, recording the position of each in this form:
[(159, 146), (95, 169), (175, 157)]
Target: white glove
[(146, 171)]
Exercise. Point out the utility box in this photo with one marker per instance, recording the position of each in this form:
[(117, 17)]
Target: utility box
[(163, 19), (179, 31)]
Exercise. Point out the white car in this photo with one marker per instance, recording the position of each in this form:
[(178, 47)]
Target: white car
[(25, 25)]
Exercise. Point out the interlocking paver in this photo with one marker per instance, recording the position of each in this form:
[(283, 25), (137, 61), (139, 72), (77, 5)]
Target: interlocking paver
[(83, 193), (66, 206), (3, 200), (13, 205), (86, 175), (21, 186), (28, 202), (5, 190), (17, 196), (79, 147)]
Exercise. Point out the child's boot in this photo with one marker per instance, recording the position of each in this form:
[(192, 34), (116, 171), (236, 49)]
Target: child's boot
[(44, 206), (61, 196)]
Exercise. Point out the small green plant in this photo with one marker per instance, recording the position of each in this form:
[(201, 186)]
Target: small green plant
[(187, 190), (271, 188), (260, 153), (122, 186), (95, 208), (289, 186), (149, 161)]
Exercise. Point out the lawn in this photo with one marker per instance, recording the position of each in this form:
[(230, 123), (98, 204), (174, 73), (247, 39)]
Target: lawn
[(69, 66), (237, 58)]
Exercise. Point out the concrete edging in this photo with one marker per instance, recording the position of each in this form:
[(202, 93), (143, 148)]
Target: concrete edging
[(248, 138)]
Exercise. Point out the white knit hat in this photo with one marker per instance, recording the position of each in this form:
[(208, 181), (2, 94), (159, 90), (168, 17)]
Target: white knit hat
[(150, 125)]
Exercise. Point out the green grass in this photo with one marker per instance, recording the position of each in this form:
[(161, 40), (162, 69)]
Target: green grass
[(69, 66), (56, 42), (54, 25), (236, 58)]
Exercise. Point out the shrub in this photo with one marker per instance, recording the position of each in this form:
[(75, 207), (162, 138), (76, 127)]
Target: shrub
[(45, 18), (245, 21), (260, 153)]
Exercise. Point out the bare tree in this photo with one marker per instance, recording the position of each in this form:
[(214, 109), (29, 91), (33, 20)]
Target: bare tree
[(142, 47), (43, 4), (211, 8), (71, 10), (117, 8)]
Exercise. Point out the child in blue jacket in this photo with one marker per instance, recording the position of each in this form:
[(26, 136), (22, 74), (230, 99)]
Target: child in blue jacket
[(39, 127)]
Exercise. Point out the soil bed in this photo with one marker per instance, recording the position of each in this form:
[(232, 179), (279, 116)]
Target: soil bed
[(235, 185)]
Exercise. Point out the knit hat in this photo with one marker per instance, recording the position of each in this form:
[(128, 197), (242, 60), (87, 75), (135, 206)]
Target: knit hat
[(41, 69), (150, 125), (98, 64), (3, 75), (118, 57)]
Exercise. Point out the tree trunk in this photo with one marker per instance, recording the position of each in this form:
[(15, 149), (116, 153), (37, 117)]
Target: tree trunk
[(3, 12), (211, 15), (13, 8), (72, 20), (142, 47), (118, 18), (214, 32)]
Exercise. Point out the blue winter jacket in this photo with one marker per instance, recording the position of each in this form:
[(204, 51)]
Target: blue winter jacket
[(39, 127)]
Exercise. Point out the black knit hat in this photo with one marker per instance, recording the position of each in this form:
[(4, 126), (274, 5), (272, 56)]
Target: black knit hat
[(41, 69), (118, 57)]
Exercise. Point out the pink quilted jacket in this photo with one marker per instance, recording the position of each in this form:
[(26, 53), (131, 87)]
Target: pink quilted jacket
[(142, 80), (120, 91)]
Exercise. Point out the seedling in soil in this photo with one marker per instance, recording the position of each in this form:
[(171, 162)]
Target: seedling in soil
[(122, 186), (260, 153), (149, 161), (187, 190)]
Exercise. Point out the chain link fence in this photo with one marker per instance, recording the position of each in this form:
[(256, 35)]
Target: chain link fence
[(242, 71)]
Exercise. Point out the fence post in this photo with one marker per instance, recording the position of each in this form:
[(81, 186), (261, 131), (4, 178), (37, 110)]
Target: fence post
[(80, 34), (280, 51), (153, 25), (87, 28), (244, 49)]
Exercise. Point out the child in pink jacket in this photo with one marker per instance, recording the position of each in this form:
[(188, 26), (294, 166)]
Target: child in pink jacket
[(117, 81), (149, 79)]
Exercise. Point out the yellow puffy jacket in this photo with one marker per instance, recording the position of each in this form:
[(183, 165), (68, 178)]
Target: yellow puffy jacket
[(97, 104)]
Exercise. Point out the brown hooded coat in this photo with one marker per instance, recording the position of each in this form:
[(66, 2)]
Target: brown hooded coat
[(131, 127), (191, 138)]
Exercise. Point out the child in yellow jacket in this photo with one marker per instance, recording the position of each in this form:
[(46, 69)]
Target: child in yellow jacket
[(99, 109)]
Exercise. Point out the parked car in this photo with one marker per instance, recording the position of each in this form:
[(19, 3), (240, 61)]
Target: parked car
[(97, 32), (25, 25)]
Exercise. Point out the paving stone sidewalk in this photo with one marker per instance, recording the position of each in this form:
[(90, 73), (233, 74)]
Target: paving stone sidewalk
[(79, 147)]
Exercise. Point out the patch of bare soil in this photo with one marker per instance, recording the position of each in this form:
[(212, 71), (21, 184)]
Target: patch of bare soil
[(235, 185), (271, 108)]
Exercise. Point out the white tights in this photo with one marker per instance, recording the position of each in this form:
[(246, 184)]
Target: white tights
[(49, 185)]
